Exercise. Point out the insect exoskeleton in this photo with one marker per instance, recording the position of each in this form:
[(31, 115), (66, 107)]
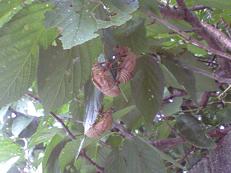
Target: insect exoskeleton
[(102, 124), (126, 64), (103, 80)]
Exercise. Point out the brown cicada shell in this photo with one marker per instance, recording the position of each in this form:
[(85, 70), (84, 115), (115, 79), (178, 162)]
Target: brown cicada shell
[(102, 124), (104, 81), (126, 64)]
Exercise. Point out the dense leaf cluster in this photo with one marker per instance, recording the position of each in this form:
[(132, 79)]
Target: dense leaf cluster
[(172, 113)]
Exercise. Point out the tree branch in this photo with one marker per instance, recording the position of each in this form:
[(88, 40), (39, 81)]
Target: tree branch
[(187, 37), (212, 36)]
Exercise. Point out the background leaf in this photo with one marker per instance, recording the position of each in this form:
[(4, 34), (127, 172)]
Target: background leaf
[(43, 135), (19, 41), (191, 129), (68, 153), (203, 83), (115, 162), (147, 87), (10, 8), (140, 157), (120, 113), (77, 21), (184, 76), (62, 73), (9, 149), (50, 160), (133, 35)]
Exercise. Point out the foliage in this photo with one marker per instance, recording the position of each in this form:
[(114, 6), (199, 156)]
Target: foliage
[(172, 109)]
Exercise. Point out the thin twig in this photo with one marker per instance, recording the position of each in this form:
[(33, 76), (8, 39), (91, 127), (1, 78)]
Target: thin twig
[(72, 136)]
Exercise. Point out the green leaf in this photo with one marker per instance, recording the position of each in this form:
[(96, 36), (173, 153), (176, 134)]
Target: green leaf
[(163, 156), (223, 116), (77, 21), (115, 140), (120, 102), (19, 41), (151, 5), (162, 130), (169, 159), (117, 12), (173, 107), (119, 114), (43, 135), (184, 76), (68, 153), (170, 79), (192, 130), (74, 20), (196, 50), (19, 124), (147, 87), (10, 8), (9, 149), (52, 151), (115, 162), (141, 157), (133, 35), (62, 73), (77, 109), (83, 166), (203, 83)]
